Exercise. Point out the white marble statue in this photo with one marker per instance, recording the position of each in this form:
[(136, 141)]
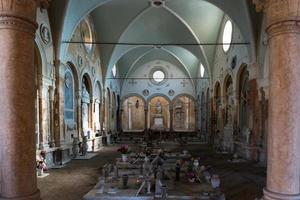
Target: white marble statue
[(85, 108), (158, 107)]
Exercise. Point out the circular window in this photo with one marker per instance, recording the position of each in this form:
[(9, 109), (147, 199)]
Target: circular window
[(227, 35), (158, 76), (114, 71)]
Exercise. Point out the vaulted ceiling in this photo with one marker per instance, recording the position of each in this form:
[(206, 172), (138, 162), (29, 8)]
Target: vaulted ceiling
[(138, 21)]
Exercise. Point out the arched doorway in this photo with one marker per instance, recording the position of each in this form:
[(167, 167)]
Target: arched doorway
[(159, 113), (184, 114), (243, 95), (97, 119), (107, 110), (113, 121), (217, 123), (229, 114), (86, 96), (133, 115)]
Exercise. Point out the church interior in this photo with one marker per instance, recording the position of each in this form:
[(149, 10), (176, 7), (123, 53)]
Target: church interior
[(150, 99)]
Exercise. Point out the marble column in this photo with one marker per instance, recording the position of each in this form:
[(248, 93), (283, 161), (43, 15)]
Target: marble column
[(17, 110), (51, 98), (78, 118), (146, 118), (283, 28)]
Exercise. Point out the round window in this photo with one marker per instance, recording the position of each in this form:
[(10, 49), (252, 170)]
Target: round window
[(158, 76), (227, 35), (114, 71)]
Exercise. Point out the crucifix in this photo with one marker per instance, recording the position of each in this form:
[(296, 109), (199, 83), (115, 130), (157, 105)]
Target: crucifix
[(132, 82), (184, 83)]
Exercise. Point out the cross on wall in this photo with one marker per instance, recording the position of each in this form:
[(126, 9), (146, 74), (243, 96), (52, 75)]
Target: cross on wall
[(184, 83), (132, 82)]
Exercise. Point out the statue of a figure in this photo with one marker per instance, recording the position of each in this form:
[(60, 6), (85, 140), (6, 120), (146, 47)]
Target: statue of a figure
[(85, 108), (85, 146), (75, 147), (85, 123), (230, 103), (158, 107)]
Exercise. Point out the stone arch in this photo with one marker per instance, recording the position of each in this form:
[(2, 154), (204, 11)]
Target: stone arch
[(86, 79), (158, 95), (133, 113), (217, 113), (185, 95), (159, 112), (228, 96), (184, 115), (241, 70), (97, 107), (133, 94), (243, 104)]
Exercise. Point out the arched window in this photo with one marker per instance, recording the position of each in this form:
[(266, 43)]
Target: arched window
[(114, 71), (202, 71), (227, 35)]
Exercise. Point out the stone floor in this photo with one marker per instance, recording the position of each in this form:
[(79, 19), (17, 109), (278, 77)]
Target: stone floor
[(240, 181)]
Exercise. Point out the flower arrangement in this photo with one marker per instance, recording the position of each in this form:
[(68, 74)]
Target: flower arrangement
[(124, 149)]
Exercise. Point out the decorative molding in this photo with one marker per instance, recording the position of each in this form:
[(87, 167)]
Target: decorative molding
[(45, 34), (283, 27), (8, 21)]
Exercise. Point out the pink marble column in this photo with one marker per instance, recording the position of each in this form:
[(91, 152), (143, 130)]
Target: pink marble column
[(283, 28), (17, 100)]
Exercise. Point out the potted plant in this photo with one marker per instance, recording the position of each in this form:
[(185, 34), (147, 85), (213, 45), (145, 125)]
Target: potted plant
[(124, 150)]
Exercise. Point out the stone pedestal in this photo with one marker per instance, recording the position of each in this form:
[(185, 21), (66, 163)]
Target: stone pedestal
[(283, 28), (17, 110)]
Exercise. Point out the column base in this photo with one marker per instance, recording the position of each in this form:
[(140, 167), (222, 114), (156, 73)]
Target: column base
[(268, 195), (35, 196)]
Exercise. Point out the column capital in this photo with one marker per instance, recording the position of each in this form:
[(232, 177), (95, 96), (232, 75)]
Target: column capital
[(282, 16), (19, 15)]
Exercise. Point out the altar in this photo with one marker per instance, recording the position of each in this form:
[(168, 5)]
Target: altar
[(158, 122)]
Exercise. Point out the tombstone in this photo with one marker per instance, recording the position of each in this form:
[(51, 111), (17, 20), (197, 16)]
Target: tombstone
[(75, 147)]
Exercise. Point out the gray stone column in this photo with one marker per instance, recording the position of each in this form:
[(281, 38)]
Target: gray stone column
[(51, 110), (171, 119), (17, 100), (78, 117), (283, 28)]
